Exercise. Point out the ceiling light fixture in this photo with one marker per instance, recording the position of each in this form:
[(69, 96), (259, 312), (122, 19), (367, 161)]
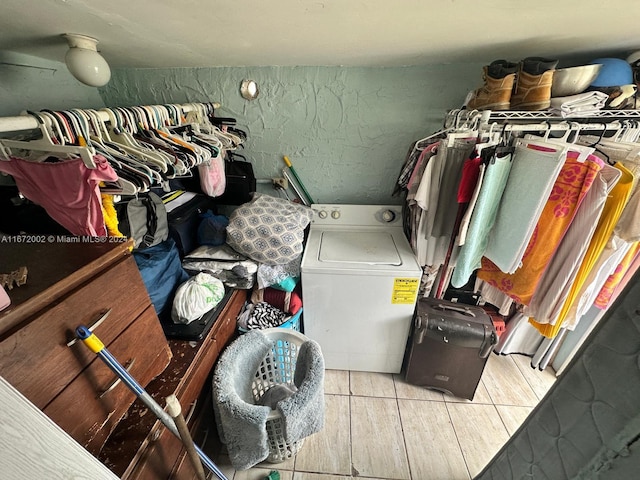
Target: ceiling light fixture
[(84, 62)]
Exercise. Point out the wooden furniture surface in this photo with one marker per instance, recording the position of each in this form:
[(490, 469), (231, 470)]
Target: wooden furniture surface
[(54, 269), (72, 284), (141, 447)]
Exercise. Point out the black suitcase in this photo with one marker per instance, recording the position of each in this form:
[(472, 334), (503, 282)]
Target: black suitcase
[(184, 218), (449, 347)]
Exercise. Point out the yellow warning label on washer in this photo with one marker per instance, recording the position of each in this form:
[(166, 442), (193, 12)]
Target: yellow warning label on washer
[(404, 290)]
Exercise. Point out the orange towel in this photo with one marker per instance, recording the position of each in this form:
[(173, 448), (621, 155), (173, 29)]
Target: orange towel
[(569, 189)]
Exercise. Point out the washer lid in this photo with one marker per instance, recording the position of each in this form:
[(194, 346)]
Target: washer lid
[(370, 248)]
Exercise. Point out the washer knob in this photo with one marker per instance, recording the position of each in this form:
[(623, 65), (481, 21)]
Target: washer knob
[(335, 214), (388, 216), (322, 214)]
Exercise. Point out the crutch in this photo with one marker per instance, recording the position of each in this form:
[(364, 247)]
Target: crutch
[(97, 347)]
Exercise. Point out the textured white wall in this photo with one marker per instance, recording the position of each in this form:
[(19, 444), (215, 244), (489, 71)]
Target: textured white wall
[(346, 129)]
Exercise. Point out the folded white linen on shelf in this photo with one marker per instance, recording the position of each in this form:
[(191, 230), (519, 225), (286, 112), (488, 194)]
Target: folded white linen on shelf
[(582, 104)]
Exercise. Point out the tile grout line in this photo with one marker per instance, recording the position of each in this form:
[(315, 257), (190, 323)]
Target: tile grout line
[(350, 424), (526, 381), (529, 383), (404, 439), (455, 432)]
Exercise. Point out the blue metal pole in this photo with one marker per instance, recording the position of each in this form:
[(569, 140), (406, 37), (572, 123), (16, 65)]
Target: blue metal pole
[(97, 347)]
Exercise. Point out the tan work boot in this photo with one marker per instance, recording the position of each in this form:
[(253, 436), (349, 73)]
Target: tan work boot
[(532, 90), (495, 94)]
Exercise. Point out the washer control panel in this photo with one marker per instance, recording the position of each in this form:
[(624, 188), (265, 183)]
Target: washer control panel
[(357, 215)]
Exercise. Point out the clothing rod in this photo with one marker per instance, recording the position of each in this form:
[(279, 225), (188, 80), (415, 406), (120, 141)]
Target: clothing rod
[(27, 122)]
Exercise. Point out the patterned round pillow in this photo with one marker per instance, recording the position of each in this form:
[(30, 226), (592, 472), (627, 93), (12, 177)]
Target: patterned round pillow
[(268, 229)]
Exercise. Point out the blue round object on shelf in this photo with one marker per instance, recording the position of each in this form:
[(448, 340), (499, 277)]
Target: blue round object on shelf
[(615, 72)]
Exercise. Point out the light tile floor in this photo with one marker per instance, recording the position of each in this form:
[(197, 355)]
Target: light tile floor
[(379, 427)]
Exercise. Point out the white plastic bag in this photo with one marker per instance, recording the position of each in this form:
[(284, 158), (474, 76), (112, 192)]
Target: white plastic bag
[(195, 297)]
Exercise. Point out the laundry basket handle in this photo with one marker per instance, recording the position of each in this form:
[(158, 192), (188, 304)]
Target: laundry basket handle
[(284, 334)]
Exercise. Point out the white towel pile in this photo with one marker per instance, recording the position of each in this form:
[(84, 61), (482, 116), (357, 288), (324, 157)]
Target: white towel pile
[(583, 104)]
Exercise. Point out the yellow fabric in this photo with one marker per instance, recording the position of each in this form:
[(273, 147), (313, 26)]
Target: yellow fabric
[(110, 215), (611, 213)]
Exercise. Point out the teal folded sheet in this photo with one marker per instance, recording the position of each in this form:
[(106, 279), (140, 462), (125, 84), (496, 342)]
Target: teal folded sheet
[(533, 174), (482, 219)]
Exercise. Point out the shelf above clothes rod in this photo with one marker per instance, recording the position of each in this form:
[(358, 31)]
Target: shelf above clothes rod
[(479, 117), (550, 116), (520, 121), (27, 122)]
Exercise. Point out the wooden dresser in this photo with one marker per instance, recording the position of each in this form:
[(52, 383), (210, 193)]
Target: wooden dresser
[(70, 284)]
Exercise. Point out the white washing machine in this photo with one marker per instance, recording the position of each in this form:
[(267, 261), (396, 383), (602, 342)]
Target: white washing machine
[(360, 281)]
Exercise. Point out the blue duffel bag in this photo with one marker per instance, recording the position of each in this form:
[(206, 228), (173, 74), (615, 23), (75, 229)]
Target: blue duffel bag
[(162, 273)]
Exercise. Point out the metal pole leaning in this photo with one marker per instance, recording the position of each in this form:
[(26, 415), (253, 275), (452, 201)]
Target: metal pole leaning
[(295, 175), (96, 346)]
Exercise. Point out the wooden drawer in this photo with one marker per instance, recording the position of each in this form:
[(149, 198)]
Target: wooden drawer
[(86, 409), (141, 447), (36, 359), (163, 455), (160, 456), (165, 458), (164, 449), (204, 433)]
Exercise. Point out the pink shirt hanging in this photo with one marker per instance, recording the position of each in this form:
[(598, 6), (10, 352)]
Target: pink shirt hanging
[(67, 190)]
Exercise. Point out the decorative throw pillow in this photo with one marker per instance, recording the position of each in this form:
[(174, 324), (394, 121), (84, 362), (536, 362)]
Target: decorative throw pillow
[(268, 229)]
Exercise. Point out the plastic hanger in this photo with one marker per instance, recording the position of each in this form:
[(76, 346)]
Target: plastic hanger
[(493, 138), (93, 125), (45, 144), (564, 141), (130, 145), (463, 131)]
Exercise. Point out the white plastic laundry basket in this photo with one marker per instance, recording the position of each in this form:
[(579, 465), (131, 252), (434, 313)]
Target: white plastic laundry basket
[(278, 368)]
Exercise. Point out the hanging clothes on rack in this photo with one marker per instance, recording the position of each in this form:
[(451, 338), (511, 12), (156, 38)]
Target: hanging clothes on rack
[(565, 254), (484, 214), (65, 188), (611, 213), (612, 255), (417, 199), (532, 176), (82, 155), (612, 282), (567, 193), (553, 288)]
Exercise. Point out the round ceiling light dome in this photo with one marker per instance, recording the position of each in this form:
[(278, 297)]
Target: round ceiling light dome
[(84, 62)]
